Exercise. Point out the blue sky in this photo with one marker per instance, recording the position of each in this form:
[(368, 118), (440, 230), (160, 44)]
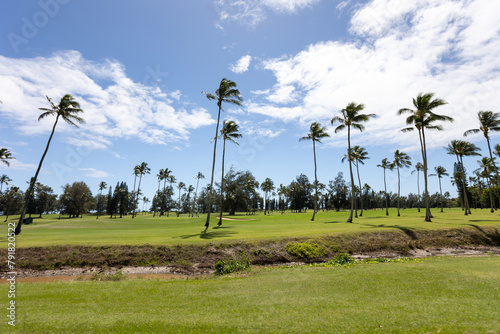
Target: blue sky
[(138, 68)]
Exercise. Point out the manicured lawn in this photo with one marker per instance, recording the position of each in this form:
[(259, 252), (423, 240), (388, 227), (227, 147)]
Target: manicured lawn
[(439, 295), (145, 229)]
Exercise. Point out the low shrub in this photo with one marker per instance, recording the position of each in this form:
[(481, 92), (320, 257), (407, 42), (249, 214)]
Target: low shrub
[(223, 267), (302, 250), (341, 259)]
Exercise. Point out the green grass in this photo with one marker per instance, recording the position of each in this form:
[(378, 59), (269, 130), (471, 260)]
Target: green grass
[(145, 229), (439, 295)]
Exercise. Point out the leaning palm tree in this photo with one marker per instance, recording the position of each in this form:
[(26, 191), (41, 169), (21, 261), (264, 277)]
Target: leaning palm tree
[(4, 179), (401, 160), (316, 133), (385, 165), (102, 186), (67, 109), (143, 170), (351, 118), (5, 156), (227, 92), (440, 172), (136, 172), (198, 177), (489, 122), (462, 148), (418, 168), (422, 118), (485, 170), (229, 132)]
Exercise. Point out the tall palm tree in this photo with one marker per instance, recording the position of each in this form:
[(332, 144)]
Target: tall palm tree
[(181, 186), (229, 132), (497, 150), (198, 177), (136, 172), (102, 186), (4, 179), (316, 133), (488, 122), (462, 148), (440, 172), (5, 156), (67, 109), (190, 189), (351, 117), (160, 176), (172, 180), (422, 118), (228, 93), (145, 201), (485, 170), (359, 155), (267, 186), (143, 170), (401, 160), (385, 165), (418, 168)]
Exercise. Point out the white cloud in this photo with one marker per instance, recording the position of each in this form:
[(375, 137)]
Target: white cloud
[(447, 47), (114, 105), (252, 12), (92, 172), (241, 65)]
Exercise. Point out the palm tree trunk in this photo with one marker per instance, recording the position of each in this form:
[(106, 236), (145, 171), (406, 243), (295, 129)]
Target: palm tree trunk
[(492, 203), (209, 204), (399, 190), (137, 197), (428, 214), (178, 211), (418, 190), (349, 220), (495, 168), (33, 181), (360, 192), (222, 182), (315, 182), (465, 199), (440, 192), (195, 194), (385, 193), (135, 179)]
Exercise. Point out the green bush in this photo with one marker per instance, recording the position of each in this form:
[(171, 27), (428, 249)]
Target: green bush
[(341, 259), (302, 250), (223, 267), (261, 251)]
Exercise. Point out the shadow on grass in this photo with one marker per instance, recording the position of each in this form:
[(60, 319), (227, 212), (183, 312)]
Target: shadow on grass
[(334, 222), (488, 237), (217, 232), (408, 231)]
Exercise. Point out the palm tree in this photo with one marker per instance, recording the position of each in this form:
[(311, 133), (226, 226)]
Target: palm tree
[(351, 118), (181, 186), (497, 150), (421, 118), (385, 164), (198, 177), (359, 155), (227, 92), (440, 172), (145, 201), (172, 180), (102, 186), (401, 160), (4, 179), (143, 170), (418, 168), (316, 133), (267, 186), (67, 109), (190, 189), (5, 156), (462, 148), (136, 172), (486, 168), (160, 176), (229, 132), (489, 122)]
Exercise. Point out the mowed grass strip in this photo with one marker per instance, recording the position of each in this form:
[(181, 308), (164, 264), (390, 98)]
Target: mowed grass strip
[(439, 295), (145, 229)]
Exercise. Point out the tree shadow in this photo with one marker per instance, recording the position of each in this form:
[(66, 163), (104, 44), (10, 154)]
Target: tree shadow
[(334, 222), (408, 231), (487, 237), (217, 232)]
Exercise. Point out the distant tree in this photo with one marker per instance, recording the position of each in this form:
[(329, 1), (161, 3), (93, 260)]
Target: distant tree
[(5, 156), (76, 199), (45, 199), (67, 109), (267, 186), (338, 189), (4, 179), (228, 93), (13, 200), (440, 172), (418, 168), (190, 189), (102, 186), (401, 160), (421, 118), (143, 170), (351, 117), (316, 133), (486, 169), (181, 186), (197, 177), (358, 156), (229, 132), (145, 201), (385, 165), (460, 149)]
